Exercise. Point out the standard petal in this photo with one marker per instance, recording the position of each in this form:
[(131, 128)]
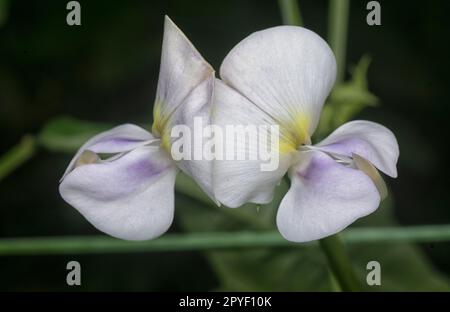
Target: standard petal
[(131, 197), (194, 114), (239, 181), (325, 197), (120, 139), (182, 69), (370, 140), (286, 71)]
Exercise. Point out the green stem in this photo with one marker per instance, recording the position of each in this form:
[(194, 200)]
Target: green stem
[(340, 263), (17, 155), (337, 33), (290, 12), (333, 247), (338, 20)]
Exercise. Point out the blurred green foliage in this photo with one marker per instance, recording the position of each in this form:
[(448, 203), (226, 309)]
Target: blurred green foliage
[(3, 11), (293, 269), (67, 134), (347, 99)]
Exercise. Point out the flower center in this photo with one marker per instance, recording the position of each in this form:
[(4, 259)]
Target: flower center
[(294, 134)]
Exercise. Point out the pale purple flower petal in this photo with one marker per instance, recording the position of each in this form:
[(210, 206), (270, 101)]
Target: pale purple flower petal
[(325, 197), (120, 139), (368, 139), (182, 69), (131, 197)]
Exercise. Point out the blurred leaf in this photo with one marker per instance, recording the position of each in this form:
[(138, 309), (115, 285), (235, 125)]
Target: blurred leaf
[(4, 8), (347, 99), (403, 265), (65, 134), (17, 156), (256, 269)]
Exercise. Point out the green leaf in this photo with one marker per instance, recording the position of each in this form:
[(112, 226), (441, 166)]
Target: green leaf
[(65, 134), (347, 99), (404, 266)]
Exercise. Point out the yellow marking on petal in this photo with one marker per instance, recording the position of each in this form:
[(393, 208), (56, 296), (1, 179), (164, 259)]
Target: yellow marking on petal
[(286, 147), (159, 127), (295, 133), (301, 128), (86, 158), (159, 121)]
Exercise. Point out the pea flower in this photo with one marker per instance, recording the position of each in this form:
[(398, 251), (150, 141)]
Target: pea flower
[(129, 193), (282, 76)]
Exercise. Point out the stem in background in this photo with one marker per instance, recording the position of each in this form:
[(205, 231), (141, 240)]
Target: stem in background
[(333, 247), (340, 263), (17, 155), (338, 259), (337, 33), (290, 12)]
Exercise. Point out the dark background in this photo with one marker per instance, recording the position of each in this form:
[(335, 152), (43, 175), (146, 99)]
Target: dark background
[(107, 69)]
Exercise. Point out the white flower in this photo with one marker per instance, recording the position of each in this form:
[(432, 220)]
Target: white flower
[(282, 76), (130, 195)]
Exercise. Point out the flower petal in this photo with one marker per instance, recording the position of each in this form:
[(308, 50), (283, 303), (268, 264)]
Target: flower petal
[(195, 114), (370, 140), (120, 139), (239, 181), (325, 197), (287, 71), (182, 69), (131, 197)]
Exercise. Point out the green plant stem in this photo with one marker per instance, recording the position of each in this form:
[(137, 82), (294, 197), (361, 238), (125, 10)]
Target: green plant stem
[(17, 155), (340, 263), (290, 12), (227, 240), (337, 33), (333, 247)]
